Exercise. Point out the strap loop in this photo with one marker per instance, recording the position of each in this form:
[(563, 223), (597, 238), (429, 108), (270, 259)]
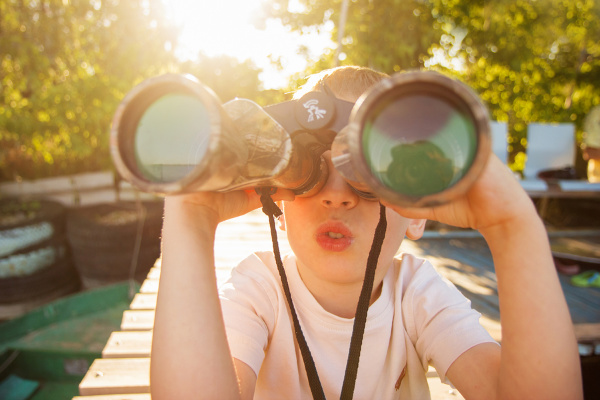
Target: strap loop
[(268, 205)]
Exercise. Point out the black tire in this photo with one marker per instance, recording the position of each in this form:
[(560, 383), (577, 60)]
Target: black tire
[(102, 250), (20, 226), (79, 221), (35, 265), (60, 274)]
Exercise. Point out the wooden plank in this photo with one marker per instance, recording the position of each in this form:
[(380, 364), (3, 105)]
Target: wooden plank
[(442, 391), (128, 345), (143, 301), (154, 273), (116, 376), (97, 197), (133, 195), (129, 193), (38, 186), (467, 263), (575, 248), (587, 332), (493, 327), (68, 199), (149, 286), (137, 320), (138, 396), (79, 189), (78, 183), (93, 180)]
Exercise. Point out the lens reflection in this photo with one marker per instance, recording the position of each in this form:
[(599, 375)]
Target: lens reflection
[(418, 145), (171, 138)]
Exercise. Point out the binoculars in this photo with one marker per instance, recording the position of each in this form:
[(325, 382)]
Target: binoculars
[(416, 139)]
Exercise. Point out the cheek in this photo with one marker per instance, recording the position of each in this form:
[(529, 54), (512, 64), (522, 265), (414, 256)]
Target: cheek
[(396, 228), (290, 209), (395, 222), (293, 215)]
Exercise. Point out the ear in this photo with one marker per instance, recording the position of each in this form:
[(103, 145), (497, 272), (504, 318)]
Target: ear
[(415, 228)]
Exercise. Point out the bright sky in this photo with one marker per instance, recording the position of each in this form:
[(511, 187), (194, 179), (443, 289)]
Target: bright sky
[(224, 27)]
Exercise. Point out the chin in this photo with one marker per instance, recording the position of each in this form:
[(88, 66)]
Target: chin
[(337, 268)]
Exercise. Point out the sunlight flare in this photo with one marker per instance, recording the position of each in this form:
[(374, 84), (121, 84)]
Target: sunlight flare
[(225, 27)]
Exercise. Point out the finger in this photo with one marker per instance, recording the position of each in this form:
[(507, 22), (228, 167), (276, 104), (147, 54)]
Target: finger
[(253, 199), (280, 195), (410, 212), (283, 195)]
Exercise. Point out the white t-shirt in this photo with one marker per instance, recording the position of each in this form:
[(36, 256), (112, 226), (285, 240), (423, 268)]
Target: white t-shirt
[(419, 319)]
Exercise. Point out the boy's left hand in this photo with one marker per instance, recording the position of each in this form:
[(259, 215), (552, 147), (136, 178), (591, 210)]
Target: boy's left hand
[(496, 198)]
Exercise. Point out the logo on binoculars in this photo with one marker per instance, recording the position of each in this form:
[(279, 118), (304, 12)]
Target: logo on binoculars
[(314, 112)]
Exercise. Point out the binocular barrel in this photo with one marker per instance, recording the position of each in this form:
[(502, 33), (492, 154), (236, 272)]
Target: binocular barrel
[(416, 139), (171, 134)]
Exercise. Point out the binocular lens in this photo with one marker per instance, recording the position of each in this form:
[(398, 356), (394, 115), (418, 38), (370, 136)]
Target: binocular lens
[(418, 144), (171, 138)]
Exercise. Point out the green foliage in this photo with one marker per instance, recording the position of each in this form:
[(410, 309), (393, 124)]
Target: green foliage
[(530, 60), (66, 64), (389, 36), (230, 78)]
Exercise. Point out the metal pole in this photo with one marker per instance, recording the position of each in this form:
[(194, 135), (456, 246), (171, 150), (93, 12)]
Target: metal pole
[(341, 27)]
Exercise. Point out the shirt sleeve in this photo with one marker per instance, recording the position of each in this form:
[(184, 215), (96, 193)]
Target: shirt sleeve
[(440, 320), (247, 302)]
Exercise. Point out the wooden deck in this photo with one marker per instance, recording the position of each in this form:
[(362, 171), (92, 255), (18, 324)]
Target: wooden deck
[(467, 262), (123, 371)]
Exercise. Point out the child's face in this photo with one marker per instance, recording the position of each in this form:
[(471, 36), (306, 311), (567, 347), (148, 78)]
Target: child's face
[(331, 232)]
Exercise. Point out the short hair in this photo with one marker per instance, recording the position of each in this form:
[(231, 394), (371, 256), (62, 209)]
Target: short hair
[(347, 82)]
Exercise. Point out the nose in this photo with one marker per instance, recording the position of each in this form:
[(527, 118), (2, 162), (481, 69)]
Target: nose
[(336, 193)]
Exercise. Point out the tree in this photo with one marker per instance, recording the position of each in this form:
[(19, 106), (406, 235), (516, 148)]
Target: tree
[(64, 66), (531, 61), (389, 36), (230, 78)]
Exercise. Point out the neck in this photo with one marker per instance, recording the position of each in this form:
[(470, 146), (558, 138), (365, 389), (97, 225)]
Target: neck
[(340, 299)]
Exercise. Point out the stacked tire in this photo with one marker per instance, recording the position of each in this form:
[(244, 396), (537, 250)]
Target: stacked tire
[(114, 242), (35, 262)]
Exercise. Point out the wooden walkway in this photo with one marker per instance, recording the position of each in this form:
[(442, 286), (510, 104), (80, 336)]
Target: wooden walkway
[(467, 262), (123, 371)]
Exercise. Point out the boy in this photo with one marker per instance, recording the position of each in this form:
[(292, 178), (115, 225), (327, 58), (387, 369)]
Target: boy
[(244, 346)]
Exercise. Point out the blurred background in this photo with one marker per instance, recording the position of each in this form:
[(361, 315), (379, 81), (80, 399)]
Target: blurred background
[(69, 225), (66, 64)]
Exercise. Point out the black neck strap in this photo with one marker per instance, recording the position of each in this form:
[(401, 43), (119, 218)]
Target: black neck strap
[(272, 211)]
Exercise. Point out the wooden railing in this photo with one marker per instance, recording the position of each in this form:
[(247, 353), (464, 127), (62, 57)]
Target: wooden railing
[(76, 190)]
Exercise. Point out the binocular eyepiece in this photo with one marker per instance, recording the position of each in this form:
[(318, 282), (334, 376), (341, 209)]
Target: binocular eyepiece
[(415, 139)]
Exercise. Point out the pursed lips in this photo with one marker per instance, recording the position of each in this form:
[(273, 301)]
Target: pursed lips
[(334, 236)]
